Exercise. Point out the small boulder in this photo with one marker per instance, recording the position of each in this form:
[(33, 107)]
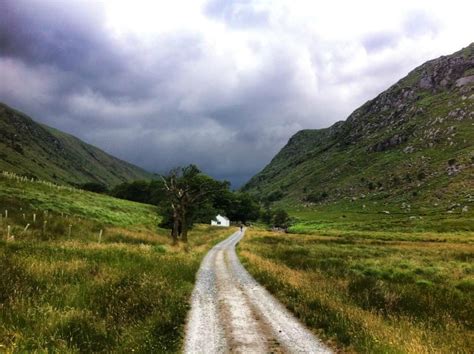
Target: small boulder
[(465, 80)]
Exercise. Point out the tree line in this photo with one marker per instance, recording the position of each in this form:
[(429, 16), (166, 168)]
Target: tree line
[(186, 196)]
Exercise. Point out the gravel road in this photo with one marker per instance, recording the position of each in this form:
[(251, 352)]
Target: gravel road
[(231, 312)]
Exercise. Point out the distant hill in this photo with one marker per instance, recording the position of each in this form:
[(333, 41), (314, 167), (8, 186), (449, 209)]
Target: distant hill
[(412, 143), (36, 150)]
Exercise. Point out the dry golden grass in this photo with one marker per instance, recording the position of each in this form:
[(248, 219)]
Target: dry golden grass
[(320, 295), (128, 292)]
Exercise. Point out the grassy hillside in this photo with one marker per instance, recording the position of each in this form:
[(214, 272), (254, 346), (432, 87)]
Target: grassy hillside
[(35, 150), (67, 287), (372, 291), (412, 144), (379, 255)]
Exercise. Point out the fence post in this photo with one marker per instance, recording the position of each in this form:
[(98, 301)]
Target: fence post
[(44, 227)]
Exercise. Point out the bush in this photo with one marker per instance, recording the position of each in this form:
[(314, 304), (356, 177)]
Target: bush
[(281, 219)]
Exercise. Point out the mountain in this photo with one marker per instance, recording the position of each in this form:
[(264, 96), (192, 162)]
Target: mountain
[(36, 150), (413, 142)]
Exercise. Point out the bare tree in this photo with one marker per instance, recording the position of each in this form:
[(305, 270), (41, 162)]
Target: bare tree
[(186, 188)]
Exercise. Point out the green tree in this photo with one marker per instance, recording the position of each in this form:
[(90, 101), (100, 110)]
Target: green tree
[(244, 208), (186, 191), (281, 219), (267, 216), (137, 191)]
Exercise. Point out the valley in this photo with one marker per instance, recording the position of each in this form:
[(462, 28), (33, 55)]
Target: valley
[(358, 237)]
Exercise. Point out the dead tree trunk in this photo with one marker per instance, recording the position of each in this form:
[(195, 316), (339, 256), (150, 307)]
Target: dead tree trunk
[(175, 229), (184, 235)]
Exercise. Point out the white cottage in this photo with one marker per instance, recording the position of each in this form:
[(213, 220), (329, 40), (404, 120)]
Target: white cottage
[(221, 221)]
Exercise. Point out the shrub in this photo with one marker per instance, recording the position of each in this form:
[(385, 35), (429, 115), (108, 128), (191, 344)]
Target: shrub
[(281, 219)]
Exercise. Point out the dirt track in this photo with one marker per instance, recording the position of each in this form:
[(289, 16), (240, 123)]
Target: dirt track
[(231, 312)]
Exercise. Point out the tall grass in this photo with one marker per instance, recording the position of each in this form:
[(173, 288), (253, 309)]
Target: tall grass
[(61, 290), (372, 293)]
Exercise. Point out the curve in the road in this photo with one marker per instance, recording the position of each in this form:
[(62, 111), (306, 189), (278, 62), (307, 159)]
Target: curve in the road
[(231, 312)]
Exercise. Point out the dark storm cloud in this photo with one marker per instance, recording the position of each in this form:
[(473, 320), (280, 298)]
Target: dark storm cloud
[(69, 36), (187, 96), (143, 102)]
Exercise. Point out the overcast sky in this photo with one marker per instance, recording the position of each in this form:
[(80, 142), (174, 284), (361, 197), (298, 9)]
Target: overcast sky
[(221, 83)]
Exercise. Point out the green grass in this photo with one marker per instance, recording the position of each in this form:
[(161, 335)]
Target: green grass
[(36, 197), (33, 149), (368, 291), (68, 293), (400, 146), (352, 218)]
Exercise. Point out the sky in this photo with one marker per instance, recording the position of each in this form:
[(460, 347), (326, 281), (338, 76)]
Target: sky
[(223, 84)]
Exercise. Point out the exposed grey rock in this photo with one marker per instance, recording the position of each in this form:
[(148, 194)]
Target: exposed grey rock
[(465, 81), (426, 83)]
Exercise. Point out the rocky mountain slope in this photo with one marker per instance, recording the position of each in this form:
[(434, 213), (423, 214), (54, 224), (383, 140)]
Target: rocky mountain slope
[(414, 143), (35, 150)]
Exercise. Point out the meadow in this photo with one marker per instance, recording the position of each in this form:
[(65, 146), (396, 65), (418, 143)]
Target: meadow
[(90, 272), (398, 216), (372, 285)]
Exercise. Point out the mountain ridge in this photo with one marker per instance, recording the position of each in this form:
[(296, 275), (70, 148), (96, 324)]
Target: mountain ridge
[(414, 137), (39, 151)]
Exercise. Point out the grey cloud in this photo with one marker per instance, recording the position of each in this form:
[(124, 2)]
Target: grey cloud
[(67, 35), (378, 41), (174, 99), (415, 24)]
